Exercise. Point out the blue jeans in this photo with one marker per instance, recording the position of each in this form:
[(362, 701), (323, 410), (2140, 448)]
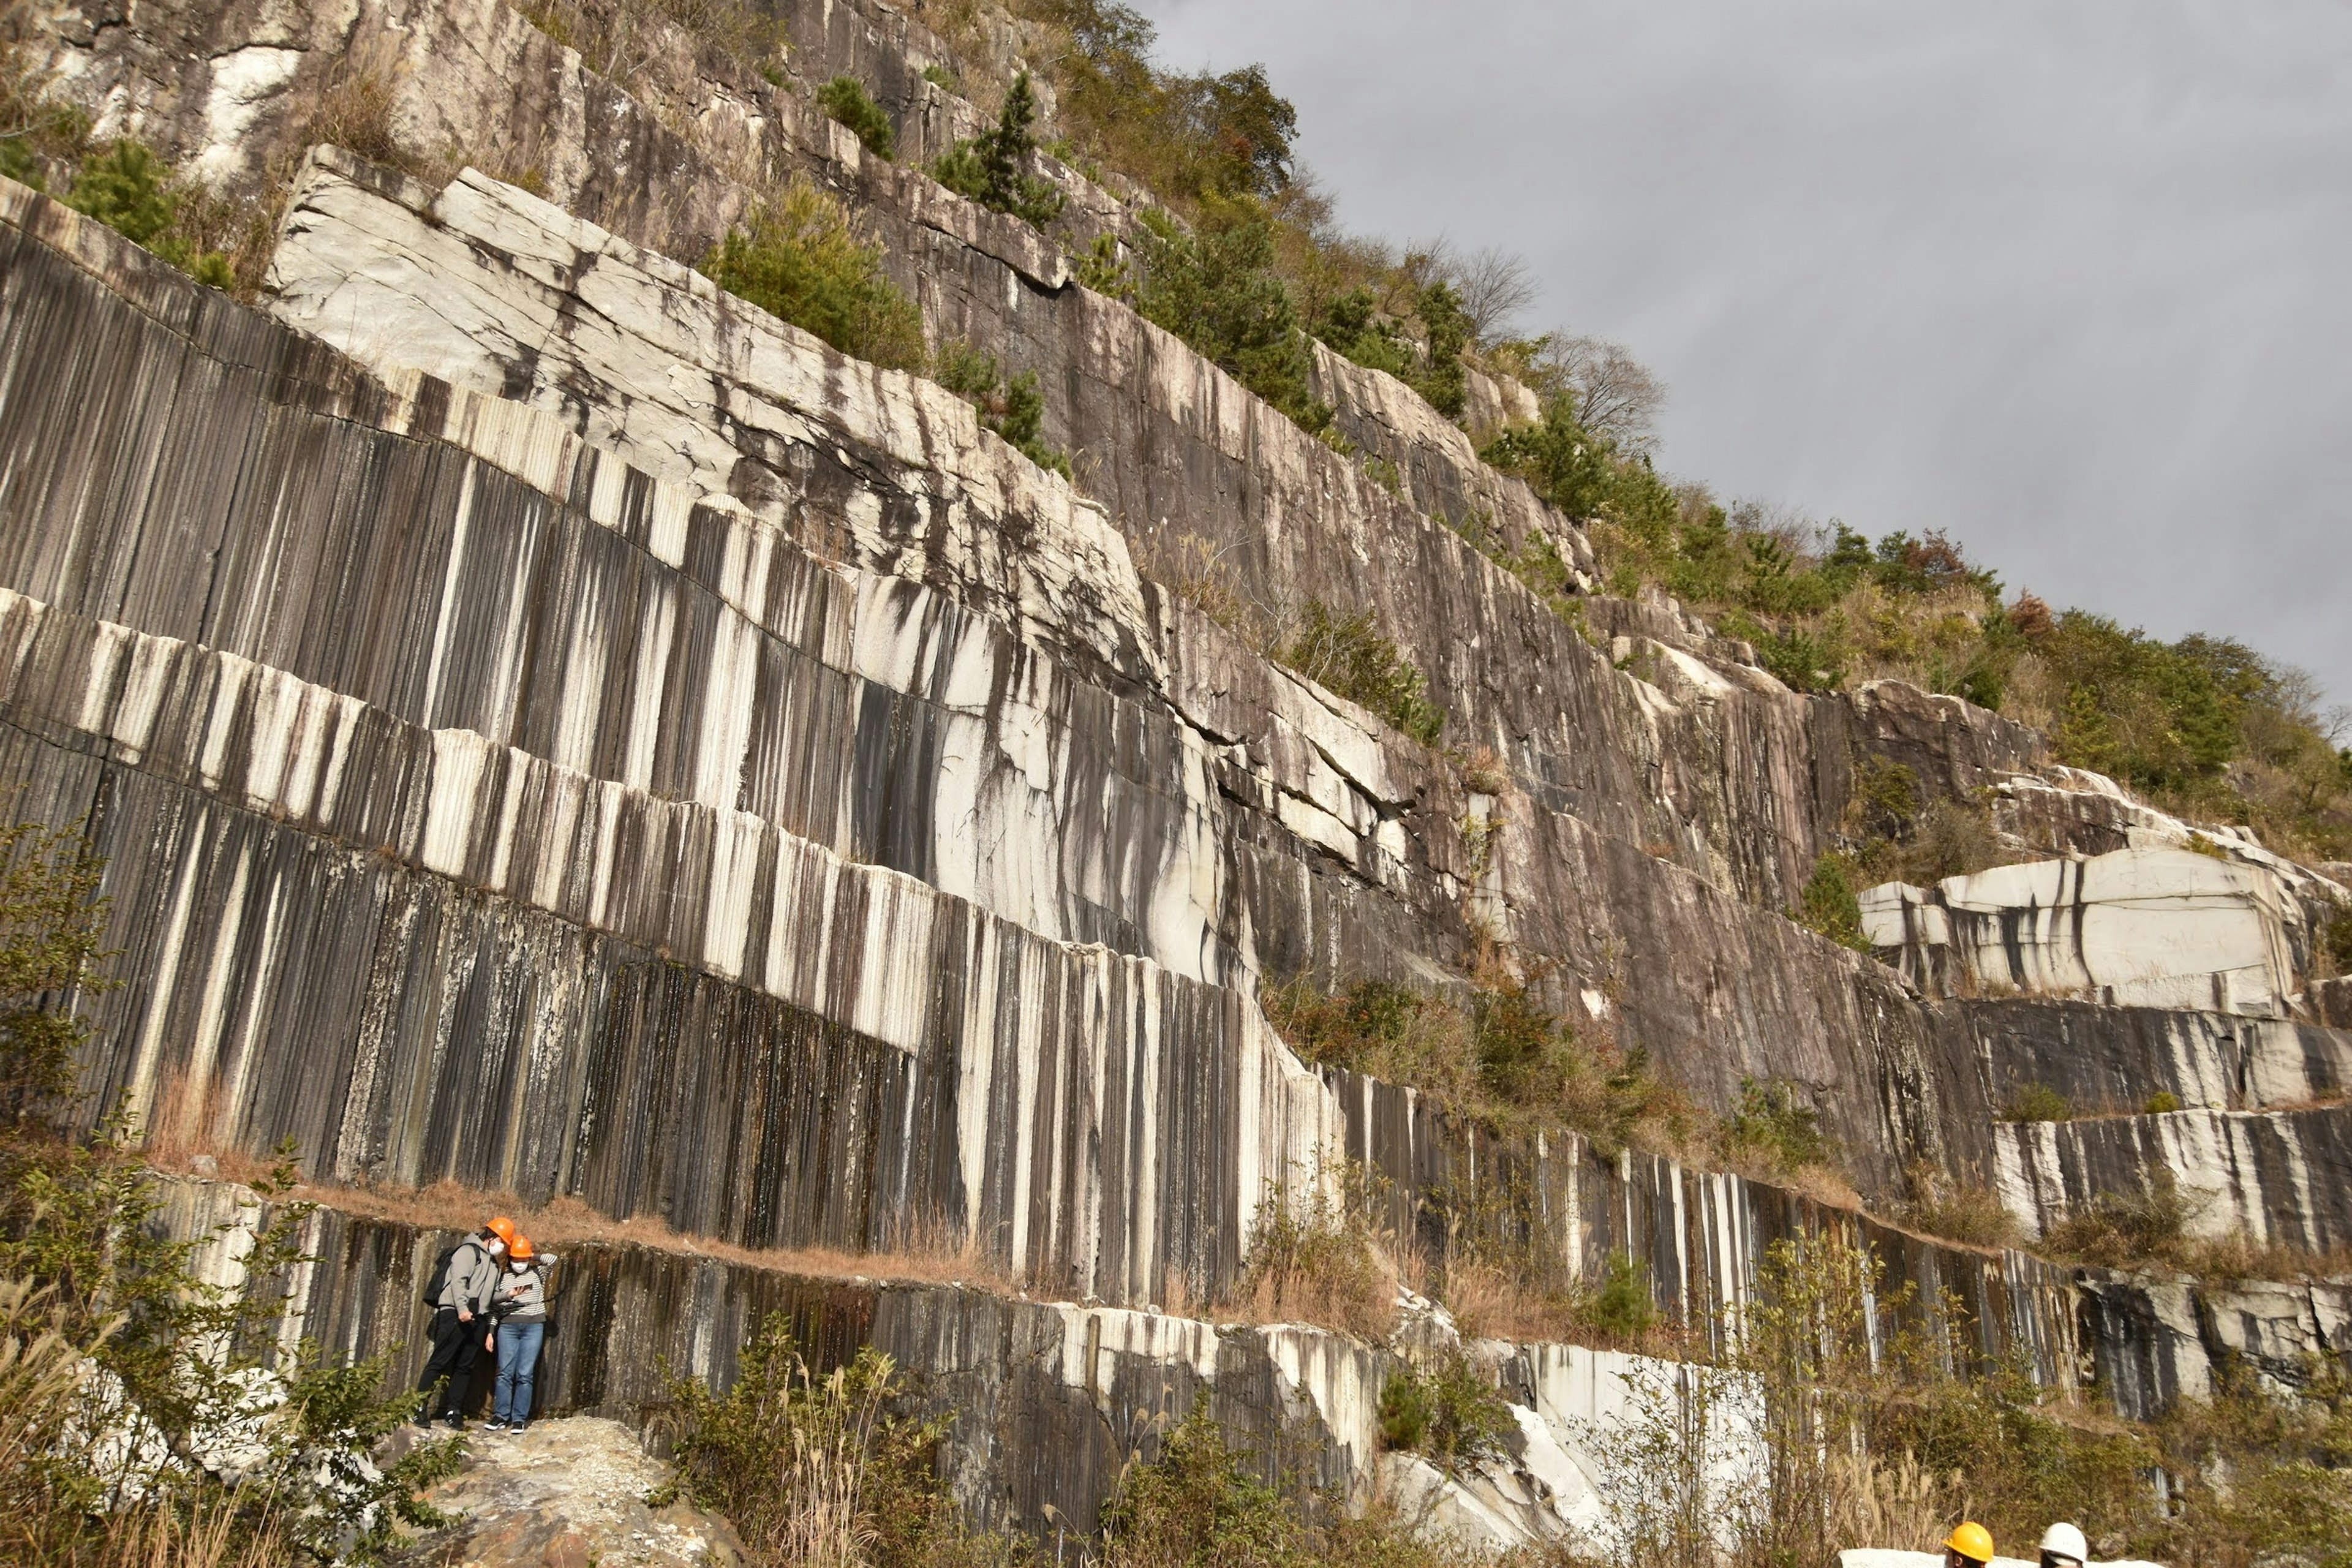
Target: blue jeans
[(518, 1359)]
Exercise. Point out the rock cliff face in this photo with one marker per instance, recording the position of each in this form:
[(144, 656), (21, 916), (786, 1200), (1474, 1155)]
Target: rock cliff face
[(557, 730)]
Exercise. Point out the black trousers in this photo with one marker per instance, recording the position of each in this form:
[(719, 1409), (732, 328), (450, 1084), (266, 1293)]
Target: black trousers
[(456, 1347)]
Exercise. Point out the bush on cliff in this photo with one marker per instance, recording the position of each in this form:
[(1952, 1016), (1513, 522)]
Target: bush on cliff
[(1495, 1056), (1315, 1257), (1214, 286), (992, 168), (126, 187), (1441, 1406), (1423, 349), (1773, 1127), (1012, 406), (1348, 655), (1200, 1502), (1184, 136), (845, 100), (1830, 906), (799, 258)]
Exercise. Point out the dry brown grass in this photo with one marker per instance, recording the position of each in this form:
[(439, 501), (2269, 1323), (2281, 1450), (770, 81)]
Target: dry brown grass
[(1317, 1259), (1495, 1302), (1488, 1303), (569, 1222)]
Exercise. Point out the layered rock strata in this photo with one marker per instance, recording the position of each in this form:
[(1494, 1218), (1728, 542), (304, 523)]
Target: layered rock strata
[(555, 728)]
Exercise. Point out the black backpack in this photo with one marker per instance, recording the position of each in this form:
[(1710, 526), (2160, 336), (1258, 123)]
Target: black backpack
[(439, 1280)]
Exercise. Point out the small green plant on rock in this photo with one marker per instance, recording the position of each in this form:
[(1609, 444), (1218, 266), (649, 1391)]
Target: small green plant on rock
[(2038, 1103), (1829, 905), (992, 168), (799, 258), (845, 100), (1620, 1307), (2336, 940), (1103, 270), (1014, 408)]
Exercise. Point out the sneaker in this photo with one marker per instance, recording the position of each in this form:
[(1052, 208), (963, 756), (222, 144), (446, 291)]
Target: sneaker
[(423, 1419), (455, 1422)]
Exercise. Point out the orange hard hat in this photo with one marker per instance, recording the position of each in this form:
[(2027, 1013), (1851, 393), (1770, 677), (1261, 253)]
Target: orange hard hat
[(1972, 1541), (503, 1229), (520, 1249)]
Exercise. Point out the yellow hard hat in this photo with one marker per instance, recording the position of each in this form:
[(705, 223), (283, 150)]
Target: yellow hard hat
[(1972, 1541)]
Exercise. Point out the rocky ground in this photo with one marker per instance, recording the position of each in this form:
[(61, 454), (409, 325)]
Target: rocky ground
[(568, 1493)]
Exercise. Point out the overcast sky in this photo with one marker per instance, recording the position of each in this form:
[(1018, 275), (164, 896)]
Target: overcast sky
[(2071, 279)]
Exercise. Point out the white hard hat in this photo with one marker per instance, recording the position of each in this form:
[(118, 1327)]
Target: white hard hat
[(2066, 1541)]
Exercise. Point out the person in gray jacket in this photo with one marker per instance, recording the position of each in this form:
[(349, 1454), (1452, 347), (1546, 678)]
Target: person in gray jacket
[(522, 1329), (468, 1279)]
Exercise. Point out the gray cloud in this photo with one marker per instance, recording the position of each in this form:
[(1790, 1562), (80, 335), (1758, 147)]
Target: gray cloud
[(2066, 279)]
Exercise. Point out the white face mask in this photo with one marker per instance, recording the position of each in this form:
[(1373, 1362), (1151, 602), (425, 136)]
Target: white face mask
[(520, 1267), (497, 1247)]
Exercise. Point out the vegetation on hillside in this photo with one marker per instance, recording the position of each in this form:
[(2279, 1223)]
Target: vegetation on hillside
[(1012, 406), (992, 168), (800, 257), (1493, 1056), (821, 1467), (121, 1369), (1245, 262), (1855, 1431), (845, 100)]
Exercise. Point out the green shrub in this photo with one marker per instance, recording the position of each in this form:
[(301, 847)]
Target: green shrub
[(1185, 136), (1354, 325), (939, 76), (992, 168), (1585, 475), (1496, 1057), (1196, 1502), (1354, 1029), (800, 259), (1443, 1407), (1772, 1125), (1014, 408), (1829, 905), (2037, 1102), (37, 132), (2163, 1103), (1622, 1307), (2336, 940), (845, 98), (1347, 654), (1215, 287), (126, 187)]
